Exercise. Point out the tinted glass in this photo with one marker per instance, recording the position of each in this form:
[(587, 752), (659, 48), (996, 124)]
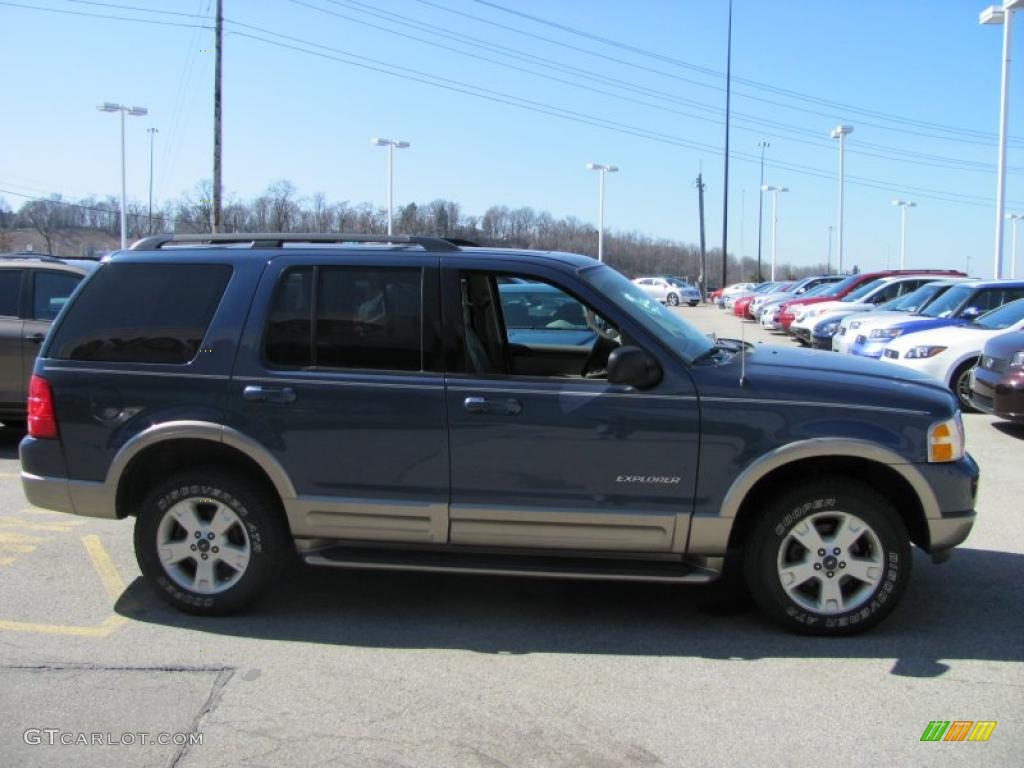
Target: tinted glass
[(10, 283), (1003, 317), (369, 319), (948, 301), (142, 313), (541, 308), (365, 318), (50, 293)]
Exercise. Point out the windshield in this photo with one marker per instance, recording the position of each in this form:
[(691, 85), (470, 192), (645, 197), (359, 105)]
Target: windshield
[(818, 290), (834, 289), (648, 312), (678, 282), (947, 302), (1003, 317), (864, 290), (916, 299)]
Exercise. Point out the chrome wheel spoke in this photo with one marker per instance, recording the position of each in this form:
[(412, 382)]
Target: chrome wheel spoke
[(868, 571), (175, 551), (235, 557), (808, 536), (848, 530), (831, 599), (204, 580), (223, 520), (184, 513), (798, 574)]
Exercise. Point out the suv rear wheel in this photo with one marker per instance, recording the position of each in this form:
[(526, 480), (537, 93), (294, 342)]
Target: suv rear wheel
[(832, 558), (209, 542)]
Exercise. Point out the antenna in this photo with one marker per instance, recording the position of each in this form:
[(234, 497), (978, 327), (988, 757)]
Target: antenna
[(743, 353)]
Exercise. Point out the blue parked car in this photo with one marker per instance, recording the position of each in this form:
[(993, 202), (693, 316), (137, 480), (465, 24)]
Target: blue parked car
[(957, 306)]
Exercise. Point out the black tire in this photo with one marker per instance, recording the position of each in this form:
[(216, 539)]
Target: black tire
[(672, 299), (259, 525), (961, 386), (694, 303), (816, 504)]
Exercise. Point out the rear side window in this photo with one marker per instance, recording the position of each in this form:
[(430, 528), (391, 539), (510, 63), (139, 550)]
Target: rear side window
[(347, 317), (10, 284), (51, 292), (142, 313)]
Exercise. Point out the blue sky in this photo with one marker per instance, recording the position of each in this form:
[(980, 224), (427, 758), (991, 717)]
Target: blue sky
[(918, 80)]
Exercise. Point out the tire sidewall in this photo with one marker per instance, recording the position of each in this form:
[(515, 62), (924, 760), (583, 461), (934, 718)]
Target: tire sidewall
[(254, 514), (963, 371), (762, 568), (672, 300)]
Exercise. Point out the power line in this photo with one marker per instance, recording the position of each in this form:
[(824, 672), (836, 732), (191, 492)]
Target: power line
[(720, 75), (96, 15), (882, 152)]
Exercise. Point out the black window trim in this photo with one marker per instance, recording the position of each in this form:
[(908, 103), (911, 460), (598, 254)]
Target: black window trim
[(30, 291), (19, 300)]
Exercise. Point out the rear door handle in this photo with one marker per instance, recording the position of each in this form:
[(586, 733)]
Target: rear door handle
[(260, 394), (507, 407)]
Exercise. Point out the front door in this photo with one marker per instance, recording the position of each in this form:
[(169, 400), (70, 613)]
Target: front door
[(339, 376), (555, 456)]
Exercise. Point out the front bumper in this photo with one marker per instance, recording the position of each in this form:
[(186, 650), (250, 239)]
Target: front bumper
[(1000, 394), (955, 486), (821, 342)]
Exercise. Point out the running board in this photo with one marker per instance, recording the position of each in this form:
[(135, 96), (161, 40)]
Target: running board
[(537, 566)]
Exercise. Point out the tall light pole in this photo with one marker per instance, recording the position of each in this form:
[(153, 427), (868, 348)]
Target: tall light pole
[(903, 204), (1001, 15), (134, 112), (775, 217), (760, 209), (840, 132), (1014, 218), (152, 134), (392, 145), (602, 170), (828, 257)]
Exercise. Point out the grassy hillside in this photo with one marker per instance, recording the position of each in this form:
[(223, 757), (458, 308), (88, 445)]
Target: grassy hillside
[(65, 242)]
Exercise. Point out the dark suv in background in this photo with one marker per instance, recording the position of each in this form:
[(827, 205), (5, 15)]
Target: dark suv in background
[(406, 403), (33, 288)]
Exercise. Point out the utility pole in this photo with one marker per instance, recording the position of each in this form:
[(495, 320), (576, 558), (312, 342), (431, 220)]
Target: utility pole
[(760, 209), (215, 209), (828, 257), (703, 252), (725, 191), (152, 134)]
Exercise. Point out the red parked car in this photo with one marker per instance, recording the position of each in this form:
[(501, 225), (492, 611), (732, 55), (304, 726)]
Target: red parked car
[(997, 383), (787, 312)]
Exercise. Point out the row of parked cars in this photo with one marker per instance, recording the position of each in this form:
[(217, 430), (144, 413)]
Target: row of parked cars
[(965, 332)]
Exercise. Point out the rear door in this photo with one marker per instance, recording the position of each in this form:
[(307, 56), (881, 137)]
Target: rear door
[(12, 371), (339, 377), (48, 290)]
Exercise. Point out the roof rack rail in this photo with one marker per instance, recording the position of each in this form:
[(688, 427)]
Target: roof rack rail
[(33, 255), (278, 239)]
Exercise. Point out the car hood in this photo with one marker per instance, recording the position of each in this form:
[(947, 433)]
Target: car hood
[(1005, 345), (814, 376), (876, 318), (962, 338)]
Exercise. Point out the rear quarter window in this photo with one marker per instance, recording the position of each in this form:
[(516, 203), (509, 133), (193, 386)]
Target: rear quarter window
[(141, 313)]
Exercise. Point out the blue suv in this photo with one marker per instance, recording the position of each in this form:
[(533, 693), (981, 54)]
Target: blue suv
[(395, 402)]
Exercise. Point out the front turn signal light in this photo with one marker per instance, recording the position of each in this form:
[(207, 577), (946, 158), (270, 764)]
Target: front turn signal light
[(946, 440)]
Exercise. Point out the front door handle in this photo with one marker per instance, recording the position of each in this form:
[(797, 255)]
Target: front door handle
[(259, 394), (508, 407), (36, 338)]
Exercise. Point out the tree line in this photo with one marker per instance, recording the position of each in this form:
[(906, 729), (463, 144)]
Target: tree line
[(281, 209)]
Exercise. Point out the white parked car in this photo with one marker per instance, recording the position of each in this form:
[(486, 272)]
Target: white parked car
[(949, 353), (670, 290)]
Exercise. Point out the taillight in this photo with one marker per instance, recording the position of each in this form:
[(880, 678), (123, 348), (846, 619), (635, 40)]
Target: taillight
[(42, 422)]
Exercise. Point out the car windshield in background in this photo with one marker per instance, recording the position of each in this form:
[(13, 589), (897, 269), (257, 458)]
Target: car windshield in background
[(824, 289), (834, 289), (915, 300), (649, 312), (541, 307), (864, 290), (1002, 317), (948, 302)]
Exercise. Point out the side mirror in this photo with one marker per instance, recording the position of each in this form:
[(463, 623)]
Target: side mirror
[(970, 313), (633, 366)]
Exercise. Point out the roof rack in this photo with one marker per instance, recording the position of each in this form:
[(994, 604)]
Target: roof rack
[(34, 256), (278, 239)]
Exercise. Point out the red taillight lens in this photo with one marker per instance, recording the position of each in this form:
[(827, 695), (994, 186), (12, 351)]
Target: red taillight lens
[(41, 419)]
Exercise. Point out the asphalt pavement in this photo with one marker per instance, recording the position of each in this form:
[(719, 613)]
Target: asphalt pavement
[(377, 669)]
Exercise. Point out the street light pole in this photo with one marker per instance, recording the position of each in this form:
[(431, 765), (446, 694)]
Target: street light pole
[(392, 145), (840, 132), (760, 209), (1014, 218), (828, 257), (602, 170), (152, 134), (903, 205), (1004, 15), (775, 217), (134, 112)]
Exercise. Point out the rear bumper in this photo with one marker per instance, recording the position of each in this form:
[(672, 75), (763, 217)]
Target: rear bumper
[(46, 484)]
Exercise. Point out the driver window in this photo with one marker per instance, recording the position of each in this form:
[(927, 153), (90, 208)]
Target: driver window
[(515, 325)]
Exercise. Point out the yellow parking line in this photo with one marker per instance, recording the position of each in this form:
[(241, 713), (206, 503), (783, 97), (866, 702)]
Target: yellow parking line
[(6, 560), (50, 527), (23, 549), (104, 566), (101, 630)]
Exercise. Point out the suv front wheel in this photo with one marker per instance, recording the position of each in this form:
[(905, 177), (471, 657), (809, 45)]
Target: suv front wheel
[(209, 542), (832, 558)]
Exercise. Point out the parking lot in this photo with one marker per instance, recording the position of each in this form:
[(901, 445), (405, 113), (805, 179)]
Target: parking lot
[(379, 669)]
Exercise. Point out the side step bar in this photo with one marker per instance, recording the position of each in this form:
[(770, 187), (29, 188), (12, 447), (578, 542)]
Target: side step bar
[(538, 566)]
